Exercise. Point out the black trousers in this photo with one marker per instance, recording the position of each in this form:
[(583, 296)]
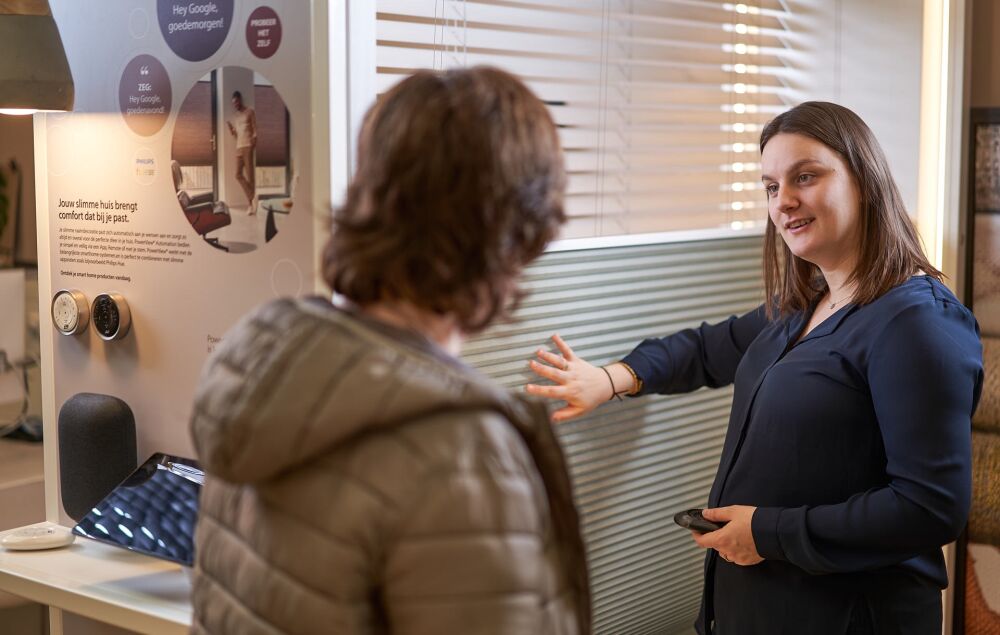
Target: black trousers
[(777, 600)]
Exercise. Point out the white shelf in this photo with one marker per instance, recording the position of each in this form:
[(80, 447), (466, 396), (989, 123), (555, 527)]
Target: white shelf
[(104, 583), (22, 492)]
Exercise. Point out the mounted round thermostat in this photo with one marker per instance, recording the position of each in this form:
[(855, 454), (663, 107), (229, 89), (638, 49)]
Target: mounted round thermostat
[(70, 312), (112, 317)]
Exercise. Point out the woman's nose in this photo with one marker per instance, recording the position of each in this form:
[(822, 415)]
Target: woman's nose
[(785, 199)]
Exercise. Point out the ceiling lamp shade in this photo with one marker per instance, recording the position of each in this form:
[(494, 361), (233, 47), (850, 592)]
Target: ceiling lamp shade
[(34, 73)]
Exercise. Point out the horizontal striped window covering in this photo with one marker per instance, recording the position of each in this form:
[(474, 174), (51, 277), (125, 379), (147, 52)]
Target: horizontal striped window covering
[(192, 140), (659, 102), (636, 463), (192, 143), (272, 127)]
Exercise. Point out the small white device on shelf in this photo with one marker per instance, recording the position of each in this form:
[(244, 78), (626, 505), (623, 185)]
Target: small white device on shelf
[(35, 537)]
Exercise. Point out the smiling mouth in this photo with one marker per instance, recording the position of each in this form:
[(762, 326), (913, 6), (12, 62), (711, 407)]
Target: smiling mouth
[(796, 224)]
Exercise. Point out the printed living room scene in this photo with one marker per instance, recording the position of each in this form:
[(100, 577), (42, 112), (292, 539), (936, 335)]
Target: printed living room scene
[(231, 159)]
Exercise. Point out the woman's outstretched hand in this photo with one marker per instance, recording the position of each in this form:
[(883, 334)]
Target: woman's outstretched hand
[(579, 383), (734, 541)]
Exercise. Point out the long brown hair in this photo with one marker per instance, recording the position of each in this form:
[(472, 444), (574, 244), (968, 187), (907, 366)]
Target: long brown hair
[(459, 185), (889, 251)]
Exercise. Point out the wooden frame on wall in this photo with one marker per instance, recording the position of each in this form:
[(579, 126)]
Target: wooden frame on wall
[(983, 231), (982, 258)]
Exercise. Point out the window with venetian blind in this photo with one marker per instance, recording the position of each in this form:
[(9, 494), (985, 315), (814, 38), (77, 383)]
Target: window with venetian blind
[(659, 102)]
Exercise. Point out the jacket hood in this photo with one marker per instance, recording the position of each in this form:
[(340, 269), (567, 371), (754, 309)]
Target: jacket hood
[(296, 378)]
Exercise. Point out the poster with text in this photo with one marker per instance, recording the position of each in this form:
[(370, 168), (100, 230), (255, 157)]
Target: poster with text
[(180, 186)]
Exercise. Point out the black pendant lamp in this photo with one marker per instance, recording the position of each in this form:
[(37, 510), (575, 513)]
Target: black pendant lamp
[(34, 73)]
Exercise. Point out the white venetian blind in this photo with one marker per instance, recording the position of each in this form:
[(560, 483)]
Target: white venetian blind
[(659, 102), (636, 463)]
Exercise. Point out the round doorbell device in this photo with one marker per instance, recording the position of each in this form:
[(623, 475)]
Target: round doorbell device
[(111, 315), (70, 311), (34, 537)]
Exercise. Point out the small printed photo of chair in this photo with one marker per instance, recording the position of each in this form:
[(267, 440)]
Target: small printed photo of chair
[(204, 214)]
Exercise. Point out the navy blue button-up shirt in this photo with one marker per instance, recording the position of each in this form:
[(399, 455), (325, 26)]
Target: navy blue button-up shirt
[(854, 444)]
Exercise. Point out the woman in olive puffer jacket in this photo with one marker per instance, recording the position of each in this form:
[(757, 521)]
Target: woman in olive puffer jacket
[(361, 479)]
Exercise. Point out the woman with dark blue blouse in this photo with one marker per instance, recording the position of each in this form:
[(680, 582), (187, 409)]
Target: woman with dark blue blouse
[(846, 465)]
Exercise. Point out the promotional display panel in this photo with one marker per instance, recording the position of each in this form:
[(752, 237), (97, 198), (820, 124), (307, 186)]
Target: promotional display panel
[(177, 196)]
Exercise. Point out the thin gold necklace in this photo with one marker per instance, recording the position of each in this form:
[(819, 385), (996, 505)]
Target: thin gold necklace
[(833, 305)]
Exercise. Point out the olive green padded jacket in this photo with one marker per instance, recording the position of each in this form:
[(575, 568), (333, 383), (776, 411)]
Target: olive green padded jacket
[(361, 481)]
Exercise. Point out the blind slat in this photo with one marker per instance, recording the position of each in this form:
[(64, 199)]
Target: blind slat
[(634, 464)]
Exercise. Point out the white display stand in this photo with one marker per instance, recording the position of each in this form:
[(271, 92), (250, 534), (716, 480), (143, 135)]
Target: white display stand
[(104, 583), (101, 157)]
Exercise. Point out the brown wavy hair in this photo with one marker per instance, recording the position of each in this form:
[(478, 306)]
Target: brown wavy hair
[(459, 185), (890, 250)]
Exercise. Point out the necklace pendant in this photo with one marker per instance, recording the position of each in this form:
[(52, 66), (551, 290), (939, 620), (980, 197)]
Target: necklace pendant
[(833, 304)]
